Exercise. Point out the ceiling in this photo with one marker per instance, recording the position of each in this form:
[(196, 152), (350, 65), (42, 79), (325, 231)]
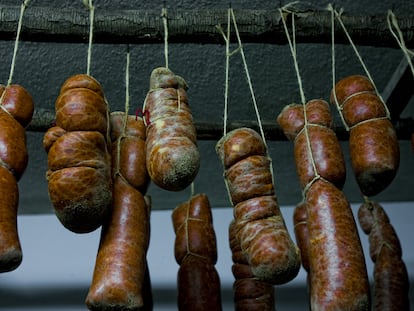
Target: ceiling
[(43, 63)]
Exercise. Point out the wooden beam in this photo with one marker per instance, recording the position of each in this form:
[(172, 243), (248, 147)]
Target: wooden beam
[(206, 130), (195, 26), (399, 90)]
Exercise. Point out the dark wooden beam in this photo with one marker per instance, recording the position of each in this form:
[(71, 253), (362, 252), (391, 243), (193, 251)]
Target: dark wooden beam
[(206, 130), (195, 26)]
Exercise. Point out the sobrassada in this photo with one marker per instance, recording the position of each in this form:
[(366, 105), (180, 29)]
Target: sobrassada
[(261, 230), (79, 161), (172, 156)]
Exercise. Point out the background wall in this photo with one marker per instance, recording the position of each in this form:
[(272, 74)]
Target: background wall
[(58, 264)]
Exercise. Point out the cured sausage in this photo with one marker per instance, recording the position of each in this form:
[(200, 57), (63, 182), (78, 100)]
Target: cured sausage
[(16, 111), (261, 230), (79, 161), (120, 268), (391, 283), (338, 275), (316, 146), (172, 156), (120, 278), (373, 143), (324, 223), (195, 251), (300, 226), (250, 293)]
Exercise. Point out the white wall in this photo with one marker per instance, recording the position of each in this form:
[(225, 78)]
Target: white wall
[(58, 264)]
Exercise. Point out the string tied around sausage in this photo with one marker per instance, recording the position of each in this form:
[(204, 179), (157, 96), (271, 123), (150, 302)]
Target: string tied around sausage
[(292, 46), (337, 15), (367, 121), (15, 49)]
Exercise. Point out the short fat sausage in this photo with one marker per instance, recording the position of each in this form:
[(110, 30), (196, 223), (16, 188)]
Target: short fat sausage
[(261, 230), (79, 160), (373, 143), (172, 156)]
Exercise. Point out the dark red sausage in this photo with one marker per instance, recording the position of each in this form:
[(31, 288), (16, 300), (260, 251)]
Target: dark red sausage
[(195, 251), (121, 277), (373, 143), (338, 274), (391, 283)]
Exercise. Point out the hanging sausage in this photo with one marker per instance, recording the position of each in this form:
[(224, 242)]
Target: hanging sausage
[(373, 143), (261, 230), (172, 156), (79, 161), (16, 111), (337, 276), (195, 251), (120, 278)]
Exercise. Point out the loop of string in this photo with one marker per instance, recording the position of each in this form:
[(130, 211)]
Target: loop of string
[(231, 19), (91, 7), (358, 55), (393, 22), (125, 119), (165, 23), (333, 65), (292, 45), (16, 47)]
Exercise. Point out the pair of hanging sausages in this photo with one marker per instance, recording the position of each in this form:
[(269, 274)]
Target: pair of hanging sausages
[(324, 224), (260, 227), (79, 161), (373, 142), (121, 277), (195, 251), (16, 111)]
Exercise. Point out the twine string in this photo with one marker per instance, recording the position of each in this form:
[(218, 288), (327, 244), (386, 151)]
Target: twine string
[(16, 47), (226, 38), (249, 81), (292, 46), (358, 55), (397, 34), (165, 23), (231, 19), (125, 119), (16, 42), (333, 65), (91, 7)]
